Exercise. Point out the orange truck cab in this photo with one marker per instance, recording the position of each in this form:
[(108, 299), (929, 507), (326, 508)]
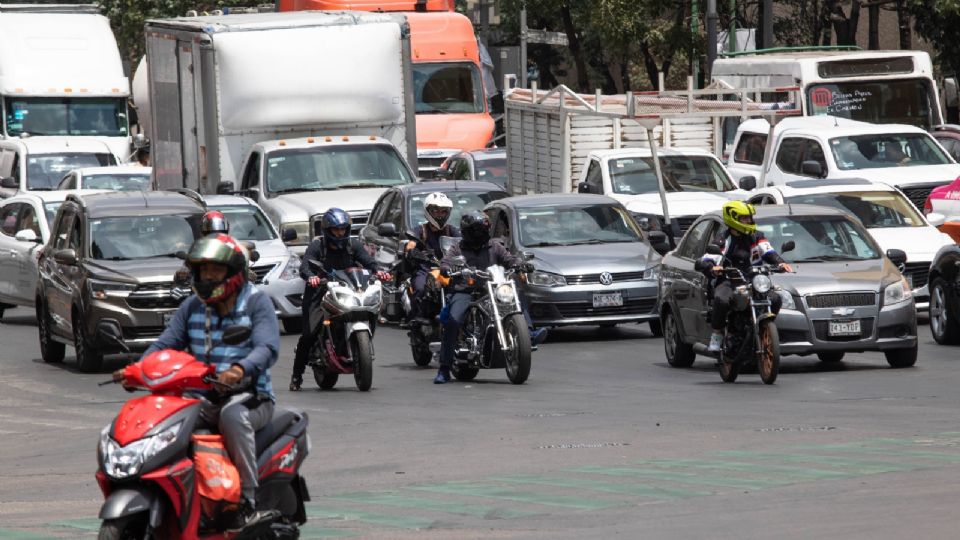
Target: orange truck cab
[(452, 108)]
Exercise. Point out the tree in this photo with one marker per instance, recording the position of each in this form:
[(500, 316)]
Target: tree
[(937, 21)]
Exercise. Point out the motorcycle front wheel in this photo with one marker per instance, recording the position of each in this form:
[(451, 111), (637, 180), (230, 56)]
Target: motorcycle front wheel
[(128, 527), (517, 354), (361, 348), (768, 364)]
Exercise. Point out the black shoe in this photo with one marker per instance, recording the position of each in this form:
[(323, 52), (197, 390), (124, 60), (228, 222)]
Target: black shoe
[(248, 517), (295, 382)]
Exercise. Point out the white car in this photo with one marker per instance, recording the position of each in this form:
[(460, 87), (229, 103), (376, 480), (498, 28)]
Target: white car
[(277, 269), (116, 178), (889, 216), (38, 163), (24, 228)]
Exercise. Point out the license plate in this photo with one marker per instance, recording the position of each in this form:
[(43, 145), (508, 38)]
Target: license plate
[(844, 328), (167, 317), (607, 300)]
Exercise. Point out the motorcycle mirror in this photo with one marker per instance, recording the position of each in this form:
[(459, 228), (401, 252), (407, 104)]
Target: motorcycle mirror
[(251, 250), (235, 334), (714, 249), (789, 245), (387, 230)]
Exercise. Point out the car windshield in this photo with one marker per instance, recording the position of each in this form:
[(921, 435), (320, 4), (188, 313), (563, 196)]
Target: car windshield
[(636, 175), (44, 171), (142, 237), (247, 223), (492, 170), (444, 88), (819, 238), (878, 151), (117, 182), (874, 209), (335, 167), (50, 209), (463, 202), (543, 226), (103, 117)]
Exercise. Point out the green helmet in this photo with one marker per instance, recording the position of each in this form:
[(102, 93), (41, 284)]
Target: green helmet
[(733, 211)]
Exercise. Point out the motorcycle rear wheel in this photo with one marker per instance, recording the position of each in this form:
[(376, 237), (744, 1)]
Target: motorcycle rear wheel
[(325, 381), (361, 348), (422, 355), (518, 358), (127, 527), (769, 362)]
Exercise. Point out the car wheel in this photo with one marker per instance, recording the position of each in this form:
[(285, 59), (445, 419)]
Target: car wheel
[(901, 358), (293, 325), (679, 354), (944, 327), (51, 351), (88, 358), (656, 328), (830, 357)]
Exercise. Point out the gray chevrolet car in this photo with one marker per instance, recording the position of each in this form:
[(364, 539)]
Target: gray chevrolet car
[(845, 296), (107, 270), (592, 264)]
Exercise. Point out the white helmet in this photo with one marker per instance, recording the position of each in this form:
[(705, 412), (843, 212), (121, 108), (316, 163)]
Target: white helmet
[(438, 201)]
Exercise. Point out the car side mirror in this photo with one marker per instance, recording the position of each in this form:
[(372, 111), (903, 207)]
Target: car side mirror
[(789, 245), (442, 174), (713, 249), (289, 235), (66, 256), (182, 255), (235, 334), (659, 241), (27, 235), (582, 187), (225, 188), (748, 183), (9, 182), (897, 257), (811, 168), (387, 230), (936, 219)]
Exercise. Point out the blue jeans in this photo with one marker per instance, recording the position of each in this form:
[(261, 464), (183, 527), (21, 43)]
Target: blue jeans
[(457, 303)]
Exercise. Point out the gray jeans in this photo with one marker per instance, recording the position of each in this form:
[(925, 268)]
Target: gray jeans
[(238, 422)]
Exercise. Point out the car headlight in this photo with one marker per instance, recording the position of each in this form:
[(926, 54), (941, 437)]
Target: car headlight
[(292, 269), (788, 302), (762, 283), (103, 289), (652, 273), (125, 461), (505, 293), (546, 279), (302, 228), (897, 293), (648, 222)]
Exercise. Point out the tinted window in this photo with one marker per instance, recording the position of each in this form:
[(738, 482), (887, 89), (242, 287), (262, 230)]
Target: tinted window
[(492, 170), (8, 218), (141, 237), (594, 177), (103, 117), (794, 151), (874, 209), (28, 220), (886, 150), (881, 102), (447, 88), (571, 225), (693, 243), (117, 182), (247, 223), (63, 228), (463, 201), (750, 149), (819, 238)]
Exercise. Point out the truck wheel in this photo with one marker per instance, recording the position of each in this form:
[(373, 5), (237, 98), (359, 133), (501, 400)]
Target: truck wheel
[(943, 325), (88, 359), (51, 351), (679, 354)]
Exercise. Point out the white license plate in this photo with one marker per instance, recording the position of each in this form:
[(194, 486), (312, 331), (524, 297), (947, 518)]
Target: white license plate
[(844, 328), (167, 317), (607, 300)]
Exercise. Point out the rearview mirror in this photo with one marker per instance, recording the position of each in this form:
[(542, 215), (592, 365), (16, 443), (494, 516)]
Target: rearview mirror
[(811, 168), (235, 334), (66, 256), (27, 235), (897, 257), (789, 245), (748, 183), (713, 249), (9, 182), (225, 188), (182, 255), (388, 230), (289, 235)]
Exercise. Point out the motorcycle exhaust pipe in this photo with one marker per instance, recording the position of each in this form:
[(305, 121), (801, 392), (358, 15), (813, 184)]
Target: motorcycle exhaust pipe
[(703, 350)]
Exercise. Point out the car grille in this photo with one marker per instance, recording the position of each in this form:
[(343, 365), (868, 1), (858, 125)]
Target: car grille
[(822, 328), (576, 310), (262, 271), (836, 300), (580, 279), (142, 332), (917, 273), (158, 296), (918, 194), (357, 221)]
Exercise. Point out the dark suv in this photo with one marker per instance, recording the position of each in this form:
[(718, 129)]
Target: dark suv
[(107, 270)]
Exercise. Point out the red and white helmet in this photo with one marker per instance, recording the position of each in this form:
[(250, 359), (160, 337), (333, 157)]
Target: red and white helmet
[(214, 222), (437, 208)]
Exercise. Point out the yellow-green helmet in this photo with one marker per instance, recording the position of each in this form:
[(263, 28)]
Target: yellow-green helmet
[(733, 211)]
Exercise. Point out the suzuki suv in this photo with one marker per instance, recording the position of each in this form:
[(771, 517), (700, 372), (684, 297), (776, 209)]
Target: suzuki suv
[(106, 273)]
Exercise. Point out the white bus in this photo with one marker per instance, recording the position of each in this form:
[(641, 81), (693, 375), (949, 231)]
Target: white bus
[(883, 87)]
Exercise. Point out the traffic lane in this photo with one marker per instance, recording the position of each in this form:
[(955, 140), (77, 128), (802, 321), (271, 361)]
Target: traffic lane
[(602, 399)]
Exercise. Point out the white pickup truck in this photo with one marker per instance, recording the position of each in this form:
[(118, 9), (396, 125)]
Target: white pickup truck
[(695, 182)]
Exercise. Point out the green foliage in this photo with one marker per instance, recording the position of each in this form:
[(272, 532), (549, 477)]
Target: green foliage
[(938, 21)]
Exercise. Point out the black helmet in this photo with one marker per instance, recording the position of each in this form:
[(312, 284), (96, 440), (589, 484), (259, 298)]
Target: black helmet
[(475, 229), (335, 218)]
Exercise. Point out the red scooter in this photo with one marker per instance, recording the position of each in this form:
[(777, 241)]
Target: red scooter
[(146, 459)]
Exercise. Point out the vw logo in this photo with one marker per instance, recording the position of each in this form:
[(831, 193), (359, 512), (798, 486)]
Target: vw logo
[(606, 278)]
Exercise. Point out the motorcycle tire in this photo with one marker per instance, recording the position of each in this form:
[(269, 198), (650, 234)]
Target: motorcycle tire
[(464, 373), (518, 361), (769, 362), (361, 348), (422, 355), (325, 381), (127, 527)]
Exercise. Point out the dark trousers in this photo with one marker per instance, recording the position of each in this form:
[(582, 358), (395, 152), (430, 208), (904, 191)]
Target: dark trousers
[(419, 283), (457, 303), (304, 344), (723, 295)]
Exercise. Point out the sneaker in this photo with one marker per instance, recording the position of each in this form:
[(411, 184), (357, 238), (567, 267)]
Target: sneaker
[(295, 382), (443, 375), (248, 517), (538, 335), (716, 342)]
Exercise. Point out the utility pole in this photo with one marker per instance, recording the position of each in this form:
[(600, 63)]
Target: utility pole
[(523, 46), (711, 36), (695, 30), (484, 23), (732, 36), (767, 24)]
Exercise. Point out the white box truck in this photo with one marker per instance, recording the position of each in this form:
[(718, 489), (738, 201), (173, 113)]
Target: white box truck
[(256, 101), (61, 75)]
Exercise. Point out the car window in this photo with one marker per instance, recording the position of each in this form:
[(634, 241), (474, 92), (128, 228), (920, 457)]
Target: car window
[(886, 150), (8, 218), (63, 229), (247, 222), (491, 170), (251, 176), (500, 226), (693, 242), (819, 238), (394, 213), (594, 178), (463, 202), (636, 175), (794, 151), (874, 209), (28, 220), (75, 241), (142, 237), (461, 170), (44, 171), (750, 149), (115, 181), (380, 209), (541, 226)]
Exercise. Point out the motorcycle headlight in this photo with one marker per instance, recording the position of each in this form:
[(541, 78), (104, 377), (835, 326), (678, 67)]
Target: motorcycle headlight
[(897, 293), (762, 283), (347, 299), (788, 302), (505, 293), (546, 279), (652, 273), (373, 296), (103, 289), (125, 461), (302, 228), (292, 269)]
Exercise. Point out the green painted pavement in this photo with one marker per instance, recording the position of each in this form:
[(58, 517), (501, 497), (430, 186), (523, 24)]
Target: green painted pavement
[(421, 503), (399, 522), (640, 490), (804, 473), (12, 534), (86, 524), (856, 466), (314, 532), (898, 452), (499, 492), (689, 477)]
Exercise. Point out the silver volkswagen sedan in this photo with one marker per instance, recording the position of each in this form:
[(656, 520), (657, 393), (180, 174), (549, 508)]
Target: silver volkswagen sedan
[(592, 265), (845, 295)]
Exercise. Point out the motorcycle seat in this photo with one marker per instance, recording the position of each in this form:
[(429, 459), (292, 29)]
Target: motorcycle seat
[(282, 418)]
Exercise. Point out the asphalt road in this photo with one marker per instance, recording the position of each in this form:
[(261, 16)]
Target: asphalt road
[(605, 440)]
